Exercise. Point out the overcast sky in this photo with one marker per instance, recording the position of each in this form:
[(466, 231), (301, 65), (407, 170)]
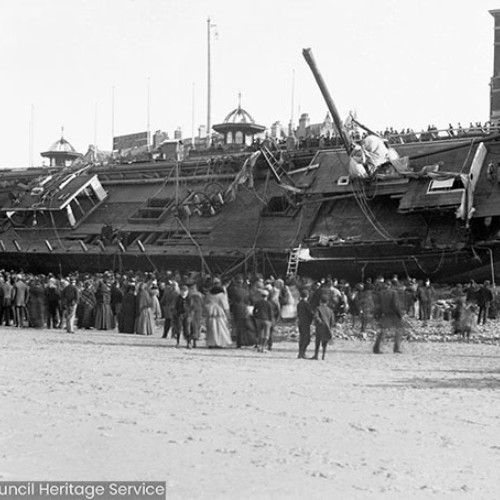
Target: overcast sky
[(400, 63)]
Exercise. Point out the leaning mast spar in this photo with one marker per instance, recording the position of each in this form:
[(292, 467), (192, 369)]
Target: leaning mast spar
[(308, 56)]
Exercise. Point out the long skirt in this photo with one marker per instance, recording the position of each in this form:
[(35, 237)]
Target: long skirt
[(104, 318), (145, 322), (218, 334)]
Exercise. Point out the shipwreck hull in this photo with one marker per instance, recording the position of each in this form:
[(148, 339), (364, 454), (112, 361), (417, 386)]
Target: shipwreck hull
[(346, 262), (61, 264), (445, 266)]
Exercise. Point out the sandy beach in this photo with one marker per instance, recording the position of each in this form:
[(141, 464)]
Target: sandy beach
[(232, 423)]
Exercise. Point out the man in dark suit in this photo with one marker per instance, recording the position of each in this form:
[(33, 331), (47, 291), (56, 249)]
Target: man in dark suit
[(484, 299), (389, 316), (20, 297), (70, 296)]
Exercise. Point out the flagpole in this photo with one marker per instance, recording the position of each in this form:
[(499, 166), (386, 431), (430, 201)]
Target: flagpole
[(148, 131), (112, 118), (95, 128), (192, 116), (32, 133), (209, 85)]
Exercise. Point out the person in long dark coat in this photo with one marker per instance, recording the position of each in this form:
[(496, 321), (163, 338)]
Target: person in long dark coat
[(305, 315), (36, 305), (86, 306), (53, 295), (239, 297), (264, 313), (195, 312), (182, 315), (426, 296), (104, 319), (324, 321), (167, 303), (389, 316), (116, 299), (8, 312), (145, 323), (127, 316)]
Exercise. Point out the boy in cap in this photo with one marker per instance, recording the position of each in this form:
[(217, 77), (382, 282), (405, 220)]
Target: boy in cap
[(182, 315), (263, 313)]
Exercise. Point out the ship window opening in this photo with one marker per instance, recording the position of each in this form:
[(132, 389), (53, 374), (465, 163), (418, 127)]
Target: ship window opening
[(343, 180), (441, 185), (279, 206)]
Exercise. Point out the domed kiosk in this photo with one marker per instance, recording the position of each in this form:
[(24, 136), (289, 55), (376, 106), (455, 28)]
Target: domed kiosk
[(239, 128), (61, 153)]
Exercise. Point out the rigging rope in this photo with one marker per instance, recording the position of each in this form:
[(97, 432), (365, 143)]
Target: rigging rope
[(438, 267), (367, 212)]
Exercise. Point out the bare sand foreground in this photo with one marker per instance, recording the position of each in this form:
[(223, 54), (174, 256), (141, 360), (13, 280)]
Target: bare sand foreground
[(234, 424)]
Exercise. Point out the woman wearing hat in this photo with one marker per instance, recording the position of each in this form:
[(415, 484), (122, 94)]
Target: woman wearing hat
[(216, 306)]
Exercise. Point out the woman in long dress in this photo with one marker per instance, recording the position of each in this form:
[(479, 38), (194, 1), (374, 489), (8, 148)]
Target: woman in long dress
[(104, 319), (217, 314), (196, 312), (145, 322), (86, 307), (127, 316), (36, 304)]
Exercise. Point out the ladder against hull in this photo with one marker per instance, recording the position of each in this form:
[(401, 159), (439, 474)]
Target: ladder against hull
[(293, 261)]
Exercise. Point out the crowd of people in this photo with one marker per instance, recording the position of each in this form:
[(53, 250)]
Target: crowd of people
[(239, 310)]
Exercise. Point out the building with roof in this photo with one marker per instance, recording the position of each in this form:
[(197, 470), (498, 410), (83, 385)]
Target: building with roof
[(306, 129), (239, 128), (61, 153)]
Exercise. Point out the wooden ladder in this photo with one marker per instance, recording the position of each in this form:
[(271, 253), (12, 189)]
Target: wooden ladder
[(293, 262), (275, 166)]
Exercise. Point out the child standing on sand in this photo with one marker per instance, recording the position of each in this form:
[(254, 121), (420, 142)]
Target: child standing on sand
[(324, 320)]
